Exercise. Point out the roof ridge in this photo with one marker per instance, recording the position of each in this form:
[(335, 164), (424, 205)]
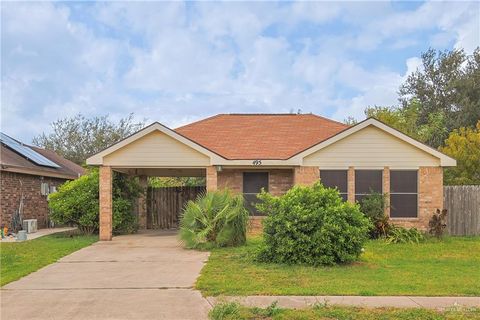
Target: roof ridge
[(331, 120), (198, 121)]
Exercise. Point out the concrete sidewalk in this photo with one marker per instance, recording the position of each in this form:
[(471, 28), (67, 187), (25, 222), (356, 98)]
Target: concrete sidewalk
[(299, 302), (40, 233)]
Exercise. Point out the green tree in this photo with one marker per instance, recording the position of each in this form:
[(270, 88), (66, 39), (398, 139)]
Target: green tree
[(464, 145), (76, 138), (447, 88), (160, 182), (405, 119)]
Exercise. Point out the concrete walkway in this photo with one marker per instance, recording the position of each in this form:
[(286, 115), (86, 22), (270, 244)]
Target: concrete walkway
[(39, 233), (144, 276), (298, 302)]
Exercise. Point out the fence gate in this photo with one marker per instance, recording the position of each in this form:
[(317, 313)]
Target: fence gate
[(164, 205)]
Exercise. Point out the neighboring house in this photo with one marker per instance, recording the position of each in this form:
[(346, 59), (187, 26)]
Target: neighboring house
[(248, 152), (28, 174)]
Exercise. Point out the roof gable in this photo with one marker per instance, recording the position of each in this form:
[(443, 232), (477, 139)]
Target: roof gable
[(444, 159), (98, 158)]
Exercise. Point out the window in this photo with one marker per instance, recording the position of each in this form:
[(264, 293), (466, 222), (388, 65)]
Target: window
[(366, 182), (335, 179), (403, 194), (253, 182)]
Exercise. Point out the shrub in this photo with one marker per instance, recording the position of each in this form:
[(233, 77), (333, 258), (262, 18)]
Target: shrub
[(224, 311), (311, 225), (77, 203), (437, 223), (214, 219), (373, 206), (403, 235)]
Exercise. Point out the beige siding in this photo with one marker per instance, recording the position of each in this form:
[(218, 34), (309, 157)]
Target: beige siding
[(156, 149), (370, 147)]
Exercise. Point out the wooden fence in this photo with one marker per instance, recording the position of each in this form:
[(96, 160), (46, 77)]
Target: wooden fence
[(164, 205), (463, 205)]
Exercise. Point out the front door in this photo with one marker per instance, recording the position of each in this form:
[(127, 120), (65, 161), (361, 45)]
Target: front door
[(253, 183)]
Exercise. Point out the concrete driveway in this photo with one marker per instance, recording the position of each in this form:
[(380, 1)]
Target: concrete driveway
[(143, 276)]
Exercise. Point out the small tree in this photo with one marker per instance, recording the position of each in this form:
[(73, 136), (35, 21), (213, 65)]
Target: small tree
[(313, 226), (77, 202), (214, 219), (463, 145), (373, 206)]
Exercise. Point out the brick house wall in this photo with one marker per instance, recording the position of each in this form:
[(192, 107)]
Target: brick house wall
[(279, 180), (35, 205), (430, 189)]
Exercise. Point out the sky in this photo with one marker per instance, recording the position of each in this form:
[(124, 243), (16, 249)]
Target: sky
[(177, 62)]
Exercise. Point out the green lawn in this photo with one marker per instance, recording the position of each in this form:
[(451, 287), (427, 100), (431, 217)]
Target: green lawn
[(17, 259), (435, 268), (231, 311)]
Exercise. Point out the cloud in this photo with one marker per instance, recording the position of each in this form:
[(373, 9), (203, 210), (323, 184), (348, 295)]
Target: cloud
[(180, 61)]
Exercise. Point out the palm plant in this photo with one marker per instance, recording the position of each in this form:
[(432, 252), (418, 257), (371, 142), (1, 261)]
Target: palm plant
[(214, 219)]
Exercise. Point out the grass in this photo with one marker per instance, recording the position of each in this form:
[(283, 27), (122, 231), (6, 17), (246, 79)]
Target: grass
[(233, 311), (17, 259), (448, 267)]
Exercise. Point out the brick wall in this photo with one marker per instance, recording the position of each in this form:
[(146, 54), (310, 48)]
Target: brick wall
[(430, 197), (279, 180), (306, 176), (35, 205)]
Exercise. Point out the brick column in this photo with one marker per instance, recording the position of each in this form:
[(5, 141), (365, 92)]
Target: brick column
[(351, 184), (305, 176), (430, 194), (212, 178), (142, 203), (105, 189), (386, 189)]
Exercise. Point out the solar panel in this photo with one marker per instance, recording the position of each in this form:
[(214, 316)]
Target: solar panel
[(27, 152)]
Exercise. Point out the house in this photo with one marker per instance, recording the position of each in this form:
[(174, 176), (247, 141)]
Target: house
[(248, 152), (28, 174)]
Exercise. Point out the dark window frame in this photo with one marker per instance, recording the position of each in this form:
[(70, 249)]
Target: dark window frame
[(249, 206), (363, 194), (344, 195), (404, 193)]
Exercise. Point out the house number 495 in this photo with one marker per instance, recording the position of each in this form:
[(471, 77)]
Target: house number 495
[(257, 162)]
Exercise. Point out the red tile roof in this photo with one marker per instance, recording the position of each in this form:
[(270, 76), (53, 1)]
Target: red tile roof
[(260, 136)]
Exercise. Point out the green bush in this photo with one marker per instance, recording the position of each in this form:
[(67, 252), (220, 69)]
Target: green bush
[(225, 311), (77, 203), (311, 225), (404, 235), (215, 219), (373, 206)]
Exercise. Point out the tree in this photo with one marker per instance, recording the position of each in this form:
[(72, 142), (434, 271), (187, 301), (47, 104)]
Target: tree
[(76, 138), (447, 88), (77, 202), (464, 145), (405, 120), (163, 182)]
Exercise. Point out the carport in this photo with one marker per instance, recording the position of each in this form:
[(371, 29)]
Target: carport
[(153, 151)]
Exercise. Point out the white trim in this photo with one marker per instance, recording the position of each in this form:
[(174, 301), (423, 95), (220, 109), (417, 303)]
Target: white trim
[(97, 159), (297, 160), (445, 161)]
